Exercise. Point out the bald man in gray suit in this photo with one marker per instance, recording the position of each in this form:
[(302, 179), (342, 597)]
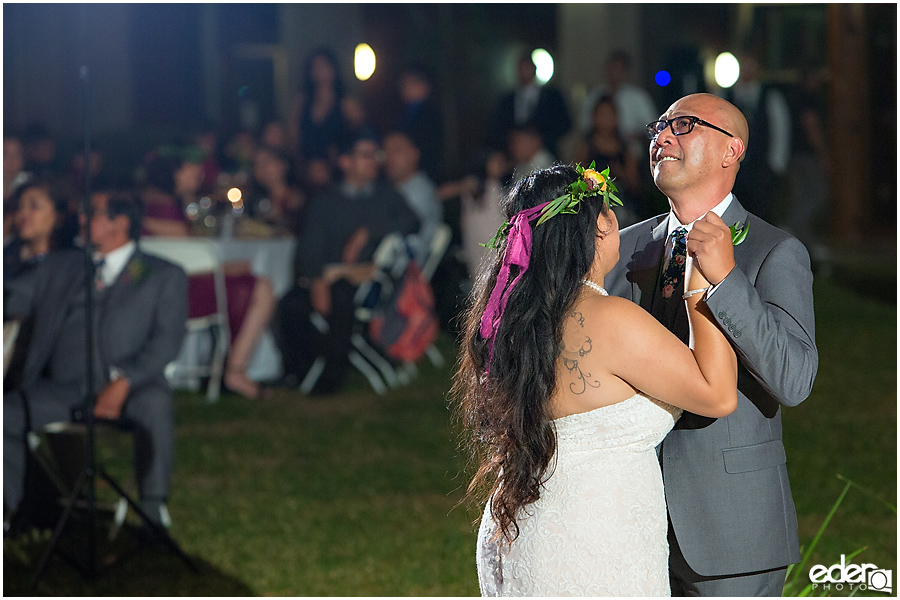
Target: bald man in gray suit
[(732, 522), (140, 314)]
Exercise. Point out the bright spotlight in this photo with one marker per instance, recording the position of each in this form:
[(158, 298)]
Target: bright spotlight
[(727, 70), (364, 61), (543, 64), (234, 195)]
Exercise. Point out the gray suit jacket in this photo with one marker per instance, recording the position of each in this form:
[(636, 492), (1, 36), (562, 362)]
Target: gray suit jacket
[(726, 482), (139, 324)]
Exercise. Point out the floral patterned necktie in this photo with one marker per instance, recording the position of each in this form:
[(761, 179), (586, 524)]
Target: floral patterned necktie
[(674, 273)]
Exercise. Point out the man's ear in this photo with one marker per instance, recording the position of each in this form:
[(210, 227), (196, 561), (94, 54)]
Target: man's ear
[(735, 152)]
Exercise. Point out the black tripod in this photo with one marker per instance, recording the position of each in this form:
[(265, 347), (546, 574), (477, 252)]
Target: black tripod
[(87, 479)]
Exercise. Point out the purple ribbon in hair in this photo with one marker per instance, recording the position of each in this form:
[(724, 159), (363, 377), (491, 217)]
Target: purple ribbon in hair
[(518, 252)]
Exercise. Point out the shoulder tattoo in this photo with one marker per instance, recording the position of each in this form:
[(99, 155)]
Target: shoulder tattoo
[(579, 345)]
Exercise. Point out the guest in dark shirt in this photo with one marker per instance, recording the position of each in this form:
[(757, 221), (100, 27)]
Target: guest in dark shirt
[(421, 119), (531, 103), (342, 229), (275, 198)]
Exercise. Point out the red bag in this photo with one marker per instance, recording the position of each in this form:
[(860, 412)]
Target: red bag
[(408, 325)]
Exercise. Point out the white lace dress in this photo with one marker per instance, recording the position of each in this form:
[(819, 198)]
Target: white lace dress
[(599, 527)]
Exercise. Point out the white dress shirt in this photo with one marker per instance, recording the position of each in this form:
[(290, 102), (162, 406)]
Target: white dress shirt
[(114, 262), (526, 100)]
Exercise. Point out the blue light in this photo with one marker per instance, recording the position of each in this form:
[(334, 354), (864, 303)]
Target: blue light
[(663, 78)]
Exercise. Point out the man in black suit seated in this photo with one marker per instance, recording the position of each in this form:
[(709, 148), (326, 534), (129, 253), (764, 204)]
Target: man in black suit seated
[(140, 311), (343, 227)]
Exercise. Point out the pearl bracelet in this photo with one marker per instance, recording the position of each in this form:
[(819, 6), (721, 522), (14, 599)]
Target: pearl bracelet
[(693, 292)]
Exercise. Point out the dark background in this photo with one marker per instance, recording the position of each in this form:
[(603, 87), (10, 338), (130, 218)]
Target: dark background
[(161, 69)]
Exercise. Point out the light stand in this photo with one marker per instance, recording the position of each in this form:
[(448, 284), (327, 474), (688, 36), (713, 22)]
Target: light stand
[(87, 479)]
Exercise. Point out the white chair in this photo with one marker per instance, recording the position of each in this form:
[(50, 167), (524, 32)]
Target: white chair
[(440, 241), (437, 248), (198, 257)]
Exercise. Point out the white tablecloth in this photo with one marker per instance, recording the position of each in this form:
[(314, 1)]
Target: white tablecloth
[(272, 258)]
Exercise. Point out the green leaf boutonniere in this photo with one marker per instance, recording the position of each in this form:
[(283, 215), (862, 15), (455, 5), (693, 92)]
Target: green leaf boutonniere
[(135, 270), (738, 235)]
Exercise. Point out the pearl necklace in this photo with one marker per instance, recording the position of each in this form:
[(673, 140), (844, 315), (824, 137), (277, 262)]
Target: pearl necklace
[(595, 286)]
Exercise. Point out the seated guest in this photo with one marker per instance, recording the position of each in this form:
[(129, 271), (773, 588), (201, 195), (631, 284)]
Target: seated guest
[(527, 150), (343, 228), (250, 299), (40, 218), (318, 175), (274, 135), (401, 164), (207, 139), (481, 214), (173, 177), (276, 200), (141, 311), (40, 227), (41, 151)]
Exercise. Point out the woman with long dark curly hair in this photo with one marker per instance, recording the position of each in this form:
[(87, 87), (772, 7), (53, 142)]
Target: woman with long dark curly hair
[(564, 392)]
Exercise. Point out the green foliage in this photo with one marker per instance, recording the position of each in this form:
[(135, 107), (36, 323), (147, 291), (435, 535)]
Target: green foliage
[(570, 202), (848, 425), (738, 235)]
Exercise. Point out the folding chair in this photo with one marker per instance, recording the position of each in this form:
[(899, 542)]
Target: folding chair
[(59, 449), (198, 257), (437, 249), (392, 259), (375, 368)]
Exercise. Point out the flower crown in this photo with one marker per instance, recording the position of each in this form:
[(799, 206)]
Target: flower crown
[(589, 184)]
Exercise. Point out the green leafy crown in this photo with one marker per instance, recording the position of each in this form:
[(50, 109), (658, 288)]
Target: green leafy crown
[(590, 183)]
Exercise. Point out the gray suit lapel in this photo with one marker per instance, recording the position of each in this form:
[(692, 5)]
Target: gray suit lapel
[(644, 267), (735, 213)]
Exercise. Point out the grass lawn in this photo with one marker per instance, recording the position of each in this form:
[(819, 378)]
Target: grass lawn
[(357, 495)]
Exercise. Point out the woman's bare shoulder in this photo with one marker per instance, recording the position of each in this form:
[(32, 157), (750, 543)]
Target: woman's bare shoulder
[(613, 315)]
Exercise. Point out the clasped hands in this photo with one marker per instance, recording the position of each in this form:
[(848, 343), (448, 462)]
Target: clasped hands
[(349, 269), (709, 245)]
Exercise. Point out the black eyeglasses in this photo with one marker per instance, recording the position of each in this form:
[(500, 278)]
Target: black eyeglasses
[(679, 126)]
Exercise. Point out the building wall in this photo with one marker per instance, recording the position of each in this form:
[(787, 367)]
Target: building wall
[(44, 49)]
